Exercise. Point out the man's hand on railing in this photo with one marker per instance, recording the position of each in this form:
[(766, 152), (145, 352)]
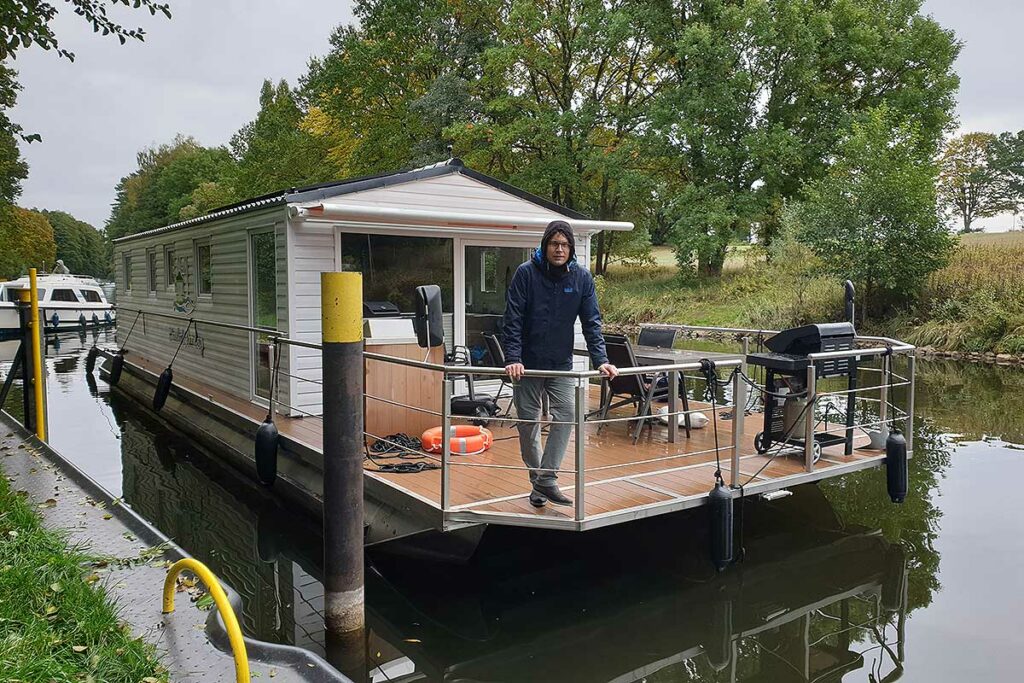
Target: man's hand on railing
[(515, 370), (608, 370)]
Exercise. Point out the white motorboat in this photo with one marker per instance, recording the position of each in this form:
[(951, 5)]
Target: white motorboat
[(66, 302)]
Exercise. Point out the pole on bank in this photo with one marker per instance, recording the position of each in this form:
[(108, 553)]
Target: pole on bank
[(341, 297), (31, 356)]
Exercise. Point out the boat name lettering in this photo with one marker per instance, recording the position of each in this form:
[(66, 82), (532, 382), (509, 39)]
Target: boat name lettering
[(194, 340)]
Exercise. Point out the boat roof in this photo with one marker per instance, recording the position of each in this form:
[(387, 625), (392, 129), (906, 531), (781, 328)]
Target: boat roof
[(359, 184), (54, 279)]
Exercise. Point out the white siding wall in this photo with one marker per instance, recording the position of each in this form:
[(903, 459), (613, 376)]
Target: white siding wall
[(310, 252), (224, 359)]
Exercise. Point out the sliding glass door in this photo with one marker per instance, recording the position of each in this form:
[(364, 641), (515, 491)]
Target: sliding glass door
[(488, 273)]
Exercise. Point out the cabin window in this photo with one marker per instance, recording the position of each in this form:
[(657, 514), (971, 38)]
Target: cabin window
[(204, 276), (127, 272), (151, 271), (169, 267), (394, 265), (64, 295), (91, 296)]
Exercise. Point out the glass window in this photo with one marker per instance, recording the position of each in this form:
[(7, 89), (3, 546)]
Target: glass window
[(169, 267), (394, 265), (64, 295), (204, 277), (151, 271), (91, 296), (128, 272)]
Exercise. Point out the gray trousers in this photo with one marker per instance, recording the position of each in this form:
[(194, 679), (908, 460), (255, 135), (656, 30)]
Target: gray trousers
[(528, 396)]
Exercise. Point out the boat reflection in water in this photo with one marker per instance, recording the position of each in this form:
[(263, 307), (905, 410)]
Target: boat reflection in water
[(807, 604)]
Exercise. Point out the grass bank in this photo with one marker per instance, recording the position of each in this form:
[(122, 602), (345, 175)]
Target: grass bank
[(975, 303), (54, 624)]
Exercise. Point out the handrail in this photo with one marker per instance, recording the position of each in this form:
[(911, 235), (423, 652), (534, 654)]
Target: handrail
[(223, 606), (201, 321)]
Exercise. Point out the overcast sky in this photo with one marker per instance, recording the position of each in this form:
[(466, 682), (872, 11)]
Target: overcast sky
[(200, 73)]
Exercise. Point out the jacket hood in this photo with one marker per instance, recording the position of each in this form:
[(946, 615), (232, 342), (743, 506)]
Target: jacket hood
[(540, 254)]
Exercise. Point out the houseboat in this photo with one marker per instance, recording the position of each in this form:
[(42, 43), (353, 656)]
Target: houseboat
[(66, 302), (231, 300)]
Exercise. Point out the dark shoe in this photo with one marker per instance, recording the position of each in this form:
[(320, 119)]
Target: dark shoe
[(553, 494), (536, 499)]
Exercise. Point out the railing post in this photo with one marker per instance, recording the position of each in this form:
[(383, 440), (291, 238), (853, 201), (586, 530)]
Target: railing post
[(739, 400), (911, 362), (812, 378), (446, 445), (342, 333), (883, 396), (673, 405), (581, 440)]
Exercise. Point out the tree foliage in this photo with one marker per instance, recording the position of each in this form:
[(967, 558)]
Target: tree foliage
[(13, 169), (274, 152), (156, 193), (972, 184), (761, 93), (27, 240), (78, 244), (873, 218), (24, 23)]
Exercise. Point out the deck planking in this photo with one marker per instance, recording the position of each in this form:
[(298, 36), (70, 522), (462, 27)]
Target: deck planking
[(619, 477)]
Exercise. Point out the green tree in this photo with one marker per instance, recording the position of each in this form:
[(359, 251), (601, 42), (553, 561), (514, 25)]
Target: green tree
[(873, 219), (391, 84), (163, 185), (564, 93), (760, 93), (78, 244), (273, 151), (1006, 156), (24, 23), (13, 168), (27, 240), (971, 186)]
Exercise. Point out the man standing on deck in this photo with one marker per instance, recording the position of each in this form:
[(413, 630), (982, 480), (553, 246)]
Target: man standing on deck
[(545, 297)]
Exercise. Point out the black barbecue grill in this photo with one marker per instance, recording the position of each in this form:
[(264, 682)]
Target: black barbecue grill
[(786, 383)]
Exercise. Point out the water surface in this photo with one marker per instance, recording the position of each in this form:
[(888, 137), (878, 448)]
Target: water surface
[(837, 583)]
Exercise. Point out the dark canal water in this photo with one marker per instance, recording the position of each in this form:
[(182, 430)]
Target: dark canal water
[(837, 584)]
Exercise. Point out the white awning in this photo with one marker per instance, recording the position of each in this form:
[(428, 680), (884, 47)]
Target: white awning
[(396, 216)]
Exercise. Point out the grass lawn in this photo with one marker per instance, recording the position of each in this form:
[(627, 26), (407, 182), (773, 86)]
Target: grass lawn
[(54, 624), (975, 303)]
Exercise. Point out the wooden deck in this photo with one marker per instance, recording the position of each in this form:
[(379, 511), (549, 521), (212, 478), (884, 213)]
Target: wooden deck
[(621, 479)]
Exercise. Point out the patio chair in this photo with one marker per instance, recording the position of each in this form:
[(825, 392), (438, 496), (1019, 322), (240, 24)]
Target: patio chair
[(497, 354), (636, 390), (665, 337), (652, 335)]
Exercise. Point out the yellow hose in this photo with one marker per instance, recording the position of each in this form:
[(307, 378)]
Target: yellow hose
[(223, 606), (37, 360)]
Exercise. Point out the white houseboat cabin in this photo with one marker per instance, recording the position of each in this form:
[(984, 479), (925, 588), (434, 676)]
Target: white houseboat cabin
[(258, 263)]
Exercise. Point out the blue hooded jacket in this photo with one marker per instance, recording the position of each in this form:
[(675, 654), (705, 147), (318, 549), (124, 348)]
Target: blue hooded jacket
[(541, 308)]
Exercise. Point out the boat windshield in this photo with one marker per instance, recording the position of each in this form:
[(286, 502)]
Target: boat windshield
[(92, 296)]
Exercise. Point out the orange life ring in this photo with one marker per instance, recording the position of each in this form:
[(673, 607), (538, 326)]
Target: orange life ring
[(464, 439)]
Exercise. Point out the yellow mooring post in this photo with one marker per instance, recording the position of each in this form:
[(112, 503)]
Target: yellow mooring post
[(341, 300), (223, 606), (36, 336)]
